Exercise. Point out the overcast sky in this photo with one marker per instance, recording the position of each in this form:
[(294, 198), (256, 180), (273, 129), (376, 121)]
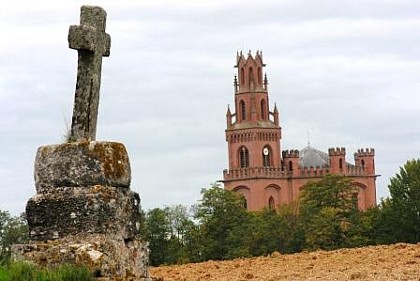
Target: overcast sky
[(347, 72)]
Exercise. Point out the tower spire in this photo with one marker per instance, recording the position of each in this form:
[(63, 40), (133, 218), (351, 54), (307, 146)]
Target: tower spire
[(309, 139), (265, 82), (228, 117)]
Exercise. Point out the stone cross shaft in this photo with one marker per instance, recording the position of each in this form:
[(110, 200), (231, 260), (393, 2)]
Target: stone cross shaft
[(92, 43)]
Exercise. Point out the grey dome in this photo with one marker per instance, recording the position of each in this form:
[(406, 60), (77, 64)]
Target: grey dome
[(312, 157)]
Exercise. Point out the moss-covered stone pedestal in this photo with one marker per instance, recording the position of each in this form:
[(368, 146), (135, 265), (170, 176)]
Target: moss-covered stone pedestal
[(109, 257), (84, 212)]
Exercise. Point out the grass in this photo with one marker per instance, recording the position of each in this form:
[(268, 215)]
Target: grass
[(21, 271)]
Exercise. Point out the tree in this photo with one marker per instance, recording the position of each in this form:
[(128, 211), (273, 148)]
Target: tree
[(271, 231), (326, 212), (181, 236), (223, 220), (400, 216), (13, 230), (171, 235), (157, 231)]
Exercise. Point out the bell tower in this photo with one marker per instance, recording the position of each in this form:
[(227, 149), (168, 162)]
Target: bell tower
[(259, 170), (253, 134)]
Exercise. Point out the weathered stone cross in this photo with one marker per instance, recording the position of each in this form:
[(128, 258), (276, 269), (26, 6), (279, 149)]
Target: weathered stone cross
[(91, 42)]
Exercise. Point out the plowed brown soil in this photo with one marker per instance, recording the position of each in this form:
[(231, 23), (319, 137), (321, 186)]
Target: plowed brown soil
[(393, 262)]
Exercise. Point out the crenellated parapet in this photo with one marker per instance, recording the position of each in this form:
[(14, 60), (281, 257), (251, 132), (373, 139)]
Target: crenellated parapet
[(355, 170), (284, 173), (293, 153), (253, 173), (314, 171), (365, 158), (337, 151), (363, 152)]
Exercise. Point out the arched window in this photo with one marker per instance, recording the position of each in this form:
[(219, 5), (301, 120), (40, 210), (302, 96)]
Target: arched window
[(290, 166), (242, 76), (271, 204), (263, 110), (250, 74), (363, 163), (266, 156), (251, 78), (243, 157), (340, 163), (242, 110)]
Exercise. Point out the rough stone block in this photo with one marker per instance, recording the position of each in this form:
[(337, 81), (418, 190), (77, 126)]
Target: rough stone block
[(73, 210), (106, 256), (82, 164)]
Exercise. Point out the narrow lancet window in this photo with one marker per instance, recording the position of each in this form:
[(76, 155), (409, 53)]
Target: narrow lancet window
[(242, 109), (243, 157)]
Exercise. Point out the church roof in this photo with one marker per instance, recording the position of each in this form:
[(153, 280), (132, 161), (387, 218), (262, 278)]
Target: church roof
[(312, 157)]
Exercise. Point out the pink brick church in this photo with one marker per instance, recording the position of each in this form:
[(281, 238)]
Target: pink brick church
[(259, 170)]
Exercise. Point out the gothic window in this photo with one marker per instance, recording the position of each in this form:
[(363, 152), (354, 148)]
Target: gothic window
[(263, 110), (290, 166), (340, 164), (243, 157), (251, 78), (242, 110), (266, 156), (271, 204), (242, 76), (363, 163)]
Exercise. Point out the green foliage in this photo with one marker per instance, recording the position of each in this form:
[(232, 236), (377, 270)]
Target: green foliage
[(171, 235), (271, 231), (222, 219), (327, 212), (399, 217), (325, 217), (13, 230), (157, 233), (21, 271)]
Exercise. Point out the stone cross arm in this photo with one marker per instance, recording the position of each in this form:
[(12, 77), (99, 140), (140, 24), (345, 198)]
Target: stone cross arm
[(83, 37), (90, 34)]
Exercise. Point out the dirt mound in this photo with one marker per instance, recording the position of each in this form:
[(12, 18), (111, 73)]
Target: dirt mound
[(393, 262)]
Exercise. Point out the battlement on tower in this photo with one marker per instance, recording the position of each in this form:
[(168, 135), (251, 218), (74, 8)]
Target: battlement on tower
[(293, 153), (365, 152), (337, 151)]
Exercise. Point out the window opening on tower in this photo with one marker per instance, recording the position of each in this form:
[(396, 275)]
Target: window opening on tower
[(243, 157), (243, 110)]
